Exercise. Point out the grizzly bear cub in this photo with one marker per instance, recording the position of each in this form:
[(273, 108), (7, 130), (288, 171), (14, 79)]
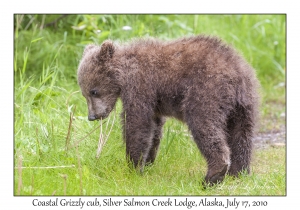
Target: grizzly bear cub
[(198, 80)]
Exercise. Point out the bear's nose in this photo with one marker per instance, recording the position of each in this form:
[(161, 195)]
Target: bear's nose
[(92, 117)]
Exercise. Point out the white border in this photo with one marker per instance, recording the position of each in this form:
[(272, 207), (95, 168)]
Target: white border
[(154, 6)]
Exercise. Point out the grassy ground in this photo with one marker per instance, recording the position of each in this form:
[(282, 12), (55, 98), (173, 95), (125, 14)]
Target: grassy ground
[(55, 153)]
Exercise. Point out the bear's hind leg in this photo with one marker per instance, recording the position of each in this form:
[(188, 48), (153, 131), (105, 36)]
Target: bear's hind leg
[(207, 129), (240, 129)]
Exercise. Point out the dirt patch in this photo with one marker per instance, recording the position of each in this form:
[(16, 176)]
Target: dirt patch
[(273, 139)]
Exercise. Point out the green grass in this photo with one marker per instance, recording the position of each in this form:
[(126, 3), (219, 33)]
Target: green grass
[(45, 95)]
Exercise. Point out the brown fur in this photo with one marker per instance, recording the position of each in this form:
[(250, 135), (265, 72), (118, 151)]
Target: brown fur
[(198, 80)]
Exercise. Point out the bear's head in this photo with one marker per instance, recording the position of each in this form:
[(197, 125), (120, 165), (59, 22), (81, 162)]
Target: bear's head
[(97, 80)]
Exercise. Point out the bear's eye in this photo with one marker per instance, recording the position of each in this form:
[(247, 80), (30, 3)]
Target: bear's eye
[(93, 92)]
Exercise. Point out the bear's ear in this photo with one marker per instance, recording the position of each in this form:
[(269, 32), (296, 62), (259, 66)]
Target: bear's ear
[(107, 50), (88, 48)]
